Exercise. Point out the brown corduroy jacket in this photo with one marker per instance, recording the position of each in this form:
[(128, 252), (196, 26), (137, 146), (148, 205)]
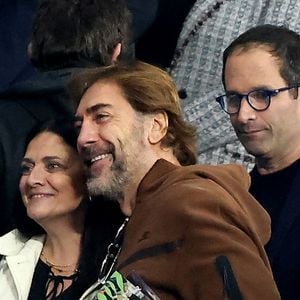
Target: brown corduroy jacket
[(196, 233)]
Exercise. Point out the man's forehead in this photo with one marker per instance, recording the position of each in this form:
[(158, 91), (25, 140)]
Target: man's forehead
[(99, 95), (252, 47), (254, 68)]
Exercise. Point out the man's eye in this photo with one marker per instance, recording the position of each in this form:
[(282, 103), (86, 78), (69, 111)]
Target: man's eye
[(233, 99), (260, 94), (26, 169), (77, 125), (101, 117)]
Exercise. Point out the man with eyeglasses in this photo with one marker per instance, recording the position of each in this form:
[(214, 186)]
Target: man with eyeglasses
[(261, 76)]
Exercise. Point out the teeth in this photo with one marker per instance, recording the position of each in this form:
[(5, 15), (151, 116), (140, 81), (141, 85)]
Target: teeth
[(38, 196), (99, 157)]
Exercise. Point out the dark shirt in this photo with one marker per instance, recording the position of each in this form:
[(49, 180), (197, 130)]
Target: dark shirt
[(272, 189), (279, 194), (40, 279)]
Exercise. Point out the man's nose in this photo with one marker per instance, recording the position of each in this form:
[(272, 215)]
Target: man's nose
[(88, 134), (246, 112)]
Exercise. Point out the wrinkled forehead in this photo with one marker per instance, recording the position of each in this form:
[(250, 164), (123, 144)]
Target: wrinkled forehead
[(102, 93), (91, 95)]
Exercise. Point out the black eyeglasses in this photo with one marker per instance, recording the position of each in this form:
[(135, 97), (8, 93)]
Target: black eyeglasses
[(259, 100)]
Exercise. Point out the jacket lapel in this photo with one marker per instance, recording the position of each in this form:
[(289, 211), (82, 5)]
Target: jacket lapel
[(21, 257), (20, 265)]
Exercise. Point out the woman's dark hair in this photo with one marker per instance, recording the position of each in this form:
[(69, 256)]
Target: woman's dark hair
[(101, 221)]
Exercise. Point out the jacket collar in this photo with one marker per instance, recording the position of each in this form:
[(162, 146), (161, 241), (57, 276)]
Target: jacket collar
[(13, 242), (156, 176)]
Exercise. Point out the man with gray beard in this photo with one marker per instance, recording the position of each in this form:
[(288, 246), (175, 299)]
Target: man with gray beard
[(191, 231)]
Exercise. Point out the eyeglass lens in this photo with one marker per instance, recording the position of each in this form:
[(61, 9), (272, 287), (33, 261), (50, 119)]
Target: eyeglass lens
[(258, 100)]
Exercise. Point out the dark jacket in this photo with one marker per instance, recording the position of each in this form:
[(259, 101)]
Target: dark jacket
[(22, 106)]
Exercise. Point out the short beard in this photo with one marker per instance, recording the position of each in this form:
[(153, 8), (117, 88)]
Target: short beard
[(114, 189), (123, 172)]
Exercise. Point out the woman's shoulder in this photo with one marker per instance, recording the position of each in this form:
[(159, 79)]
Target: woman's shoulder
[(12, 242)]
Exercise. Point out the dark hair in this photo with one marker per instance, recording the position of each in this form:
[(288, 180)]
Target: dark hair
[(101, 221), (282, 43), (72, 33), (148, 89)]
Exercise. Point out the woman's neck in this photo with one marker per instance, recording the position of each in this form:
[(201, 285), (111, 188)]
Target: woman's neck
[(63, 240)]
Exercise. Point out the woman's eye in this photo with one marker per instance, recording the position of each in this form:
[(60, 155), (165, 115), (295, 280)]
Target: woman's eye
[(53, 166), (25, 169)]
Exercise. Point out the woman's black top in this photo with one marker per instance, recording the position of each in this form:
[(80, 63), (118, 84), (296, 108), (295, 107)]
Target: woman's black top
[(43, 276)]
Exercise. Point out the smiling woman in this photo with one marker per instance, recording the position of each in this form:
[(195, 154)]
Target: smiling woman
[(52, 253), (52, 183)]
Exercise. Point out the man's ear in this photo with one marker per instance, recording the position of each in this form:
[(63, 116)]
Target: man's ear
[(159, 127), (116, 52)]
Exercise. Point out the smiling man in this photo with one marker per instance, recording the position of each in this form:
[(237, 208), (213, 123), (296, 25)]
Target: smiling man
[(112, 162), (193, 231), (261, 76)]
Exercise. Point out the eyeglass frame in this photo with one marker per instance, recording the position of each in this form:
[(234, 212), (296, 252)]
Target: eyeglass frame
[(270, 94)]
